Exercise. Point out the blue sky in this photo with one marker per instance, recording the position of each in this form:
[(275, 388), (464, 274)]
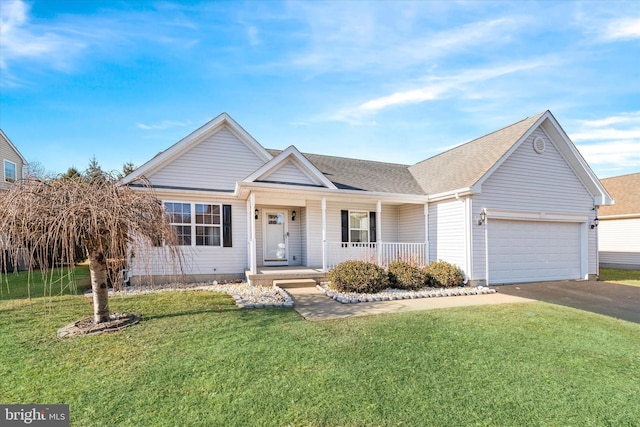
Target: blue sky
[(389, 81)]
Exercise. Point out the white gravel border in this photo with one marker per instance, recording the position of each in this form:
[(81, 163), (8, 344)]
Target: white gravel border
[(391, 294), (244, 295)]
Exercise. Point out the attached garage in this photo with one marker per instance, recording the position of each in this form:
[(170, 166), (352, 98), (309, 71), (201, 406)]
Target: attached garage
[(528, 250)]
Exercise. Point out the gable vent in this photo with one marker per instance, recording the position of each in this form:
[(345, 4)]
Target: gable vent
[(539, 145)]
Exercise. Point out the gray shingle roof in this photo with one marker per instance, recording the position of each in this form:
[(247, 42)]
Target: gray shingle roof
[(464, 165), (460, 167), (625, 190), (366, 175)]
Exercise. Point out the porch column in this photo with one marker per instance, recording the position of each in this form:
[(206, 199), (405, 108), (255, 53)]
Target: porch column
[(426, 233), (253, 265), (324, 234), (379, 231)]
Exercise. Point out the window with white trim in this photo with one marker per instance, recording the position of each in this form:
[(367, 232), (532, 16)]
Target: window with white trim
[(10, 171), (196, 224), (359, 227)]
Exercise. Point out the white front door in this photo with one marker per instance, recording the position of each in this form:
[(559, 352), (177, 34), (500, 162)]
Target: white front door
[(275, 238)]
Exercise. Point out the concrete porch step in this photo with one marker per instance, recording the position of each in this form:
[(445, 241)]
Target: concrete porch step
[(294, 283)]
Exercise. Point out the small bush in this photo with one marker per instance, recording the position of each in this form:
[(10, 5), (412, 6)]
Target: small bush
[(403, 275), (358, 276), (444, 275)]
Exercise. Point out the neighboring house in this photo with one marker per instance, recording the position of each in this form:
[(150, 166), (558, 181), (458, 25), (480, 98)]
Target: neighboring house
[(14, 165), (619, 225), (516, 205), (14, 168)]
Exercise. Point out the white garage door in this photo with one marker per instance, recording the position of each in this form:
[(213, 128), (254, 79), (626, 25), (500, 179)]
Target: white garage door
[(530, 251)]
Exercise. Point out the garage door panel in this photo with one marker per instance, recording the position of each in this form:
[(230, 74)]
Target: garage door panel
[(521, 251)]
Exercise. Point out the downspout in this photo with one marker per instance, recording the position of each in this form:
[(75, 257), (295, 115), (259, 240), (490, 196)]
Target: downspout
[(486, 248), (595, 208), (468, 232)]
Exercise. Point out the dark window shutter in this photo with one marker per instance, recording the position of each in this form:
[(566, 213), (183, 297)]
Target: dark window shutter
[(345, 225), (372, 226), (227, 239)]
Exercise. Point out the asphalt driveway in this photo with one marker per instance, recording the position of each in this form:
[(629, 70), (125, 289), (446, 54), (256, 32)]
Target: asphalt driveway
[(610, 299)]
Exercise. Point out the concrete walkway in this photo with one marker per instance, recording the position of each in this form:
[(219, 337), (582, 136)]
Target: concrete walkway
[(314, 305)]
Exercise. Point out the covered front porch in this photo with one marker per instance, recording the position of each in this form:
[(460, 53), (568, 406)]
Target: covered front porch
[(303, 236)]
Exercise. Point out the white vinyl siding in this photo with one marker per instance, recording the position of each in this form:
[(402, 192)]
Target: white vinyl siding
[(528, 181), (447, 232), (619, 242), (313, 214), (216, 163), (291, 173), (205, 260), (527, 251), (8, 154), (411, 224)]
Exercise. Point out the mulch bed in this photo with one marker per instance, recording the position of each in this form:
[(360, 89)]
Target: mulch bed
[(87, 326)]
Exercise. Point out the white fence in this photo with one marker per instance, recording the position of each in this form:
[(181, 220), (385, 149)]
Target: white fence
[(379, 253)]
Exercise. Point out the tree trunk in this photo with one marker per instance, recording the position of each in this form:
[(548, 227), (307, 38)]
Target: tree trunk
[(98, 269)]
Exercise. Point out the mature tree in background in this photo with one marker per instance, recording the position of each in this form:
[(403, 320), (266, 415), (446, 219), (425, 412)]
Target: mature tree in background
[(72, 172), (37, 170), (94, 170), (127, 168), (52, 217)]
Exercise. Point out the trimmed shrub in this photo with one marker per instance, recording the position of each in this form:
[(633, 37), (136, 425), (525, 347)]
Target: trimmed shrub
[(444, 275), (403, 275), (358, 276)]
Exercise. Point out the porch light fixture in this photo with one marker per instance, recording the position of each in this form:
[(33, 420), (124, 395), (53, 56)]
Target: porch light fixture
[(595, 223), (482, 218), (256, 212), (293, 216)]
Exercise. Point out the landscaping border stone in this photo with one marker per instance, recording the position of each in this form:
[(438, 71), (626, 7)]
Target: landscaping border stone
[(391, 294)]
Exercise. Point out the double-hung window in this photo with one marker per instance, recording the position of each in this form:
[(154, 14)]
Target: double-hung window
[(207, 225), (358, 227), (195, 223), (10, 171)]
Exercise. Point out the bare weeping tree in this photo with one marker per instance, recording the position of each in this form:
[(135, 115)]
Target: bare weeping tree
[(50, 219)]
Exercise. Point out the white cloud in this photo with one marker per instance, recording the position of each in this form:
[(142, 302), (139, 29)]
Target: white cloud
[(611, 143), (165, 124), (623, 29), (633, 117), (375, 37), (613, 153), (19, 39), (436, 88)]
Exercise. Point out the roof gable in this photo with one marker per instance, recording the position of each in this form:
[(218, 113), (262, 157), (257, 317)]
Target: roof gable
[(467, 166), (5, 138), (290, 167), (364, 175), (193, 139), (625, 190), (463, 166)]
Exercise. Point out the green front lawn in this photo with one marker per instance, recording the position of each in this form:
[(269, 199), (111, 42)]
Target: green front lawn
[(55, 282), (626, 277), (198, 360)]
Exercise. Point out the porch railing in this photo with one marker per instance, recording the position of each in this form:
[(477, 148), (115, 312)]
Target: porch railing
[(381, 253)]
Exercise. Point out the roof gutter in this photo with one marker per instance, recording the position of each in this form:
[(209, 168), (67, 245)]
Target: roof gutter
[(454, 194)]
